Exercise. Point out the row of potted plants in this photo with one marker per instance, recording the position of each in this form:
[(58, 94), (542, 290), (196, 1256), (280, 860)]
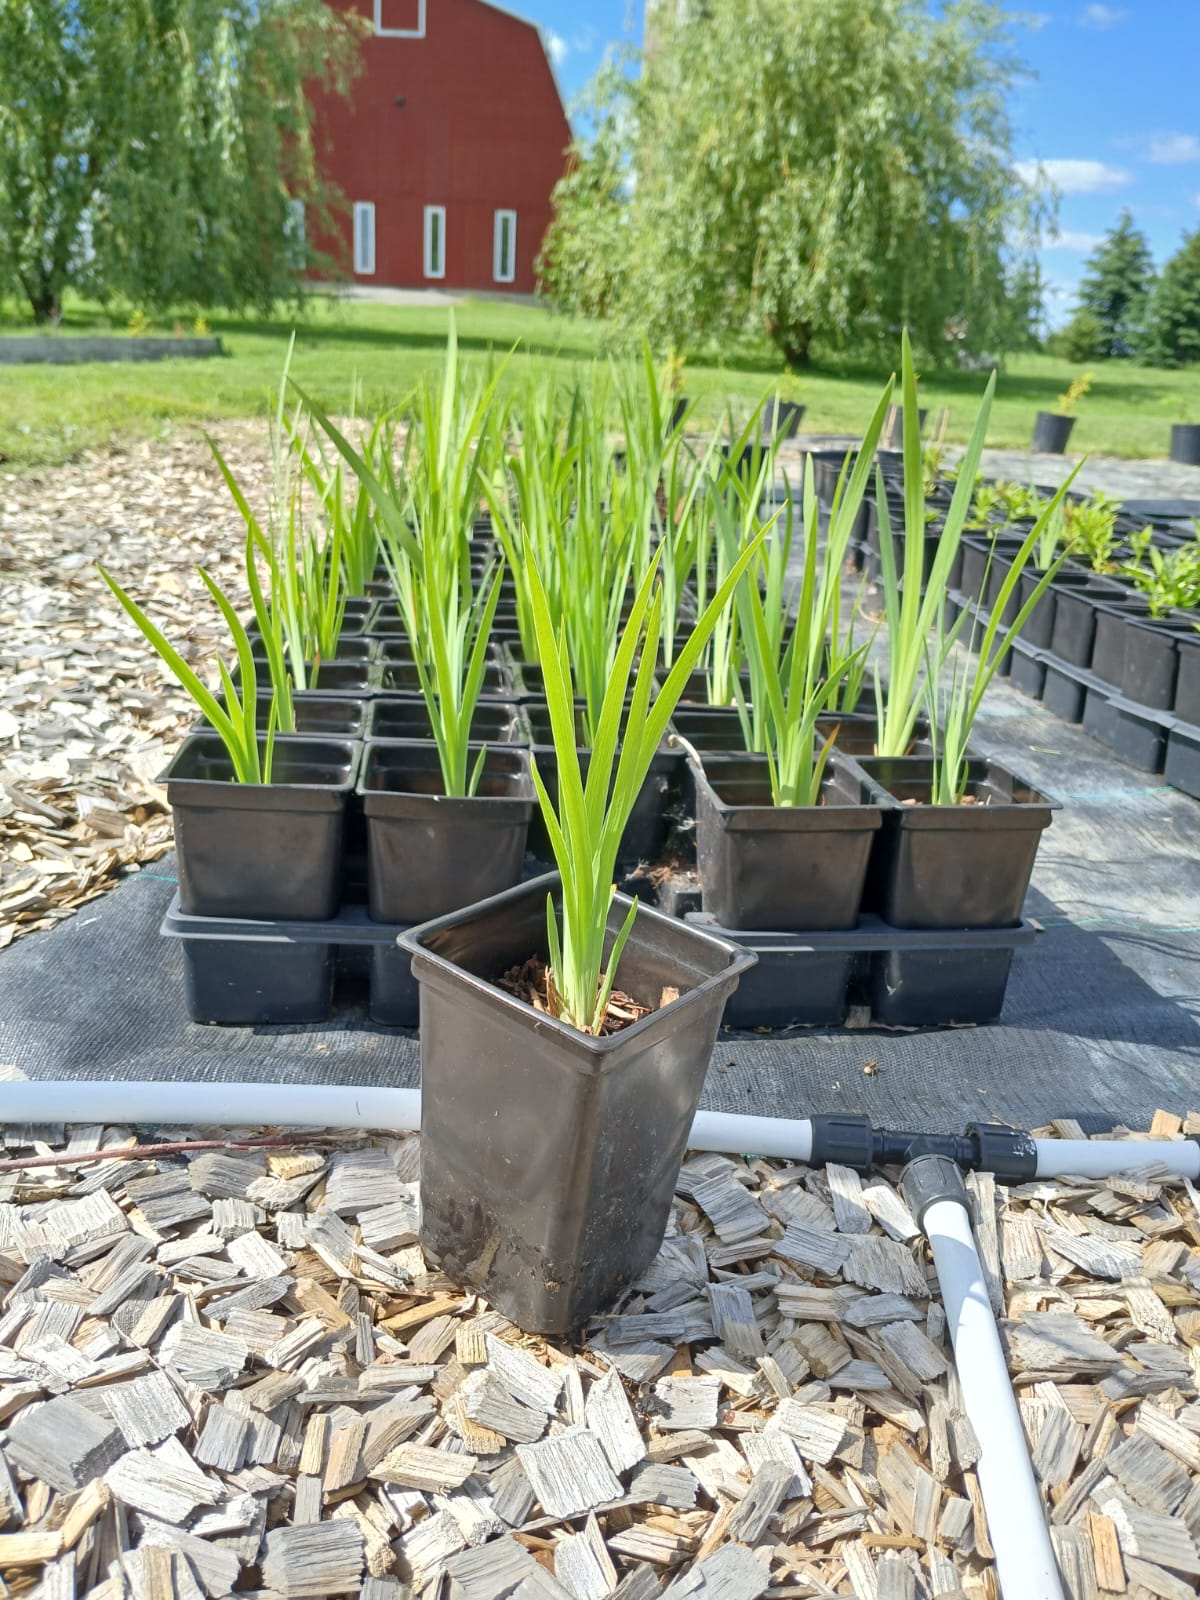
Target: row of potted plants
[(623, 575)]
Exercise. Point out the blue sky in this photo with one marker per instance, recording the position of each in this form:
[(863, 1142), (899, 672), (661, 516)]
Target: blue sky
[(1112, 111)]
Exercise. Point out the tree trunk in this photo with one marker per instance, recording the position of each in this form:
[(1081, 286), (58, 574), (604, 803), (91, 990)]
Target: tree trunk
[(792, 339), (44, 298)]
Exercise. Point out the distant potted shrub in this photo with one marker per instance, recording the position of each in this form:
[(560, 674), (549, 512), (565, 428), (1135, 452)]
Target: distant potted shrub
[(1052, 429)]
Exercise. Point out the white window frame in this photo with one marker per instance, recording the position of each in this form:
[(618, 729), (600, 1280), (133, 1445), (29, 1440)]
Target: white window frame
[(400, 33), (295, 229), (427, 253), (498, 220), (364, 261)]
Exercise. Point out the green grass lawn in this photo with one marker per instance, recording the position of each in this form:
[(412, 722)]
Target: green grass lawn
[(373, 353)]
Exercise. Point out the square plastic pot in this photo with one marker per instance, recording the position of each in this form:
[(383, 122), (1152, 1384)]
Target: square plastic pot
[(794, 984), (406, 717), (1064, 690), (646, 831), (962, 866), (1139, 735), (269, 850), (1115, 627), (1028, 669), (428, 853), (317, 716), (1039, 624), (1187, 680), (1051, 432), (1151, 661), (1074, 635), (778, 868), (938, 988), (402, 677), (248, 972), (1100, 713), (549, 1157), (1183, 758)]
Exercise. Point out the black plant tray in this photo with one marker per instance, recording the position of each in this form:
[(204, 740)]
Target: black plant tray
[(910, 978), (244, 973)]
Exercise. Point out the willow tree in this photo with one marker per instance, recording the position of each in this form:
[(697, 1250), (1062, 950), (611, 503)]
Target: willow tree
[(828, 170), (161, 149)]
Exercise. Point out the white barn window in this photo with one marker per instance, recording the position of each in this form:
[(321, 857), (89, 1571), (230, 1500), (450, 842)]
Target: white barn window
[(400, 19), (504, 247), (435, 241), (364, 237)]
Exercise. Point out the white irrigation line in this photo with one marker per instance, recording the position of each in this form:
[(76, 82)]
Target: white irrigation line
[(1016, 1514)]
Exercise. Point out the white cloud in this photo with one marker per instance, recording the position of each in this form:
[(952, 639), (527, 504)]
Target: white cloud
[(1070, 239), (557, 47), (1170, 149), (1073, 176), (1035, 21), (1102, 17)]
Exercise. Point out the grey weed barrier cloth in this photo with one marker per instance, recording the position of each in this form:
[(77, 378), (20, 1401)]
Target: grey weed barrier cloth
[(61, 350), (1102, 1020)]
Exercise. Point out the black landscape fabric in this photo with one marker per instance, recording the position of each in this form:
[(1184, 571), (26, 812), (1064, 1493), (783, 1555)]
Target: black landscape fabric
[(1101, 1023)]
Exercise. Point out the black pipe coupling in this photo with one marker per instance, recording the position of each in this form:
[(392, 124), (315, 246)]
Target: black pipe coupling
[(852, 1141), (928, 1179)]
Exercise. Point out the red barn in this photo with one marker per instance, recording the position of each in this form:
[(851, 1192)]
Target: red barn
[(448, 146)]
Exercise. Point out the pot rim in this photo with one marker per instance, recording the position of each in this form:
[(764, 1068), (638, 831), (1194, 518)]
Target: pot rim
[(739, 960)]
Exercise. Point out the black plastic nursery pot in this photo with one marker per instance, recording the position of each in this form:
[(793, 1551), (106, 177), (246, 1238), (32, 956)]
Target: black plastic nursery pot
[(1183, 758), (549, 1157), (1185, 443), (1074, 636), (1051, 432), (402, 677), (646, 831), (1114, 624), (244, 972), (1064, 689), (317, 716), (1150, 662), (406, 717), (960, 866), (261, 849), (428, 853), (1187, 679), (1039, 624), (1028, 669), (980, 555), (778, 868)]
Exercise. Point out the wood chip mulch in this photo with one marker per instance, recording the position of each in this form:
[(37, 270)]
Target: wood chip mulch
[(233, 1372), (88, 717)]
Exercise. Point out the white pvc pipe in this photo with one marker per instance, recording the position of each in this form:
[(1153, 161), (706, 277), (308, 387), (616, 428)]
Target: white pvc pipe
[(229, 1105), (761, 1136), (307, 1105), (1016, 1517), (1105, 1158), (348, 1105)]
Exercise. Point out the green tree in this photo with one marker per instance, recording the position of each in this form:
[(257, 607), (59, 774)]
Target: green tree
[(158, 148), (1173, 319), (1085, 337), (1115, 290), (828, 170)]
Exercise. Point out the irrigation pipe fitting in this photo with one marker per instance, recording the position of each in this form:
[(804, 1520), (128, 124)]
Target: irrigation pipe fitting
[(933, 1189)]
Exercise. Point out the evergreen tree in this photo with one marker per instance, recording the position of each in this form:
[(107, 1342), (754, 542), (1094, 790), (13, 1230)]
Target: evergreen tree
[(1173, 321), (1120, 275)]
